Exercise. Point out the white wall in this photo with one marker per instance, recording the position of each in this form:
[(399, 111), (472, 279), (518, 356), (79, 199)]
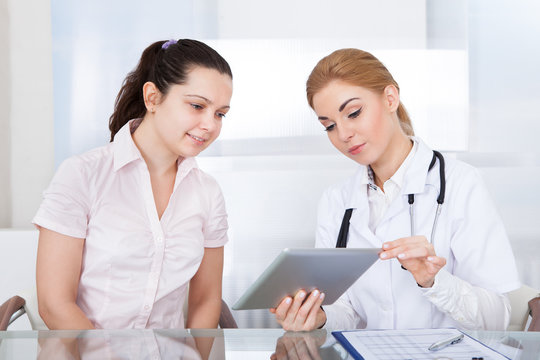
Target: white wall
[(5, 105), (503, 118), (31, 106)]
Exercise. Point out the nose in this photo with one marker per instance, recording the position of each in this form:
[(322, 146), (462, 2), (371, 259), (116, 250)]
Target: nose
[(208, 122), (345, 133)]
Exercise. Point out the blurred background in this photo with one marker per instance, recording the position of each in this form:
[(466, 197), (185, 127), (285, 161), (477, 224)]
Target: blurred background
[(468, 72)]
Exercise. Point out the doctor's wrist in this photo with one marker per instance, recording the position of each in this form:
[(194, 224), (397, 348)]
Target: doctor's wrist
[(322, 313), (426, 284)]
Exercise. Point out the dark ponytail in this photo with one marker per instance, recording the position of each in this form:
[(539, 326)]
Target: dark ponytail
[(164, 64)]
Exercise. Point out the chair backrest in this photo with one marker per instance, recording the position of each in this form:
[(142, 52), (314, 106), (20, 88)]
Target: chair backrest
[(17, 305), (9, 310), (519, 300), (226, 319), (534, 305)]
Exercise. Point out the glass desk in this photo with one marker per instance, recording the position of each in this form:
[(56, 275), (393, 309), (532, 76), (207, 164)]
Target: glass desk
[(245, 344)]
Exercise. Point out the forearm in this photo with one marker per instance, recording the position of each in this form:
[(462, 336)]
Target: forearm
[(204, 314), (473, 307), (64, 316)]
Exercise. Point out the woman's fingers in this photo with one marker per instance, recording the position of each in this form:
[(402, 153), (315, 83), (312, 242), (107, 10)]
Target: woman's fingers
[(301, 313), (292, 314), (436, 262), (314, 320), (282, 309), (303, 322), (407, 248)]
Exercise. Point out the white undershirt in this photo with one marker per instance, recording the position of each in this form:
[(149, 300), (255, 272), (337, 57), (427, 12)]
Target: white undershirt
[(380, 200)]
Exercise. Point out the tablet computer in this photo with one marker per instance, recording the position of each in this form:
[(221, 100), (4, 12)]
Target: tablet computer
[(331, 270)]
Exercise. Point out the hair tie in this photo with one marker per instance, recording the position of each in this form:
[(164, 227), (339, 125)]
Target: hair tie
[(168, 43)]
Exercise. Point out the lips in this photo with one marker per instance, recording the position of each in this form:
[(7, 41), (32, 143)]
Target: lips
[(356, 149), (199, 140)]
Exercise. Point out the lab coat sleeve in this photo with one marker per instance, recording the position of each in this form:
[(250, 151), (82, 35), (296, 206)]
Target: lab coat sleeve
[(341, 314), (471, 290), (471, 306)]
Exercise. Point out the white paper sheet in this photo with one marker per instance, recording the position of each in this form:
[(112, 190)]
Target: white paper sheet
[(414, 344)]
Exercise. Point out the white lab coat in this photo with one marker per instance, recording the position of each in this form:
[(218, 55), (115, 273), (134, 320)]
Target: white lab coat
[(470, 235)]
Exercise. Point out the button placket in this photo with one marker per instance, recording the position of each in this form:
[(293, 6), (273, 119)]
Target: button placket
[(157, 260)]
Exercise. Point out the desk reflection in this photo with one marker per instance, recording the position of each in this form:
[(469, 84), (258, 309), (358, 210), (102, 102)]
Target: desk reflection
[(106, 345), (307, 346)]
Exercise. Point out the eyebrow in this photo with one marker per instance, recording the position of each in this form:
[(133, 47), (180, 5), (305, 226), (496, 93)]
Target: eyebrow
[(345, 103), (207, 100), (341, 107)]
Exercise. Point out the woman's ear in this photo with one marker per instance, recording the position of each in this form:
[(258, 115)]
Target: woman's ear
[(391, 97), (151, 96)]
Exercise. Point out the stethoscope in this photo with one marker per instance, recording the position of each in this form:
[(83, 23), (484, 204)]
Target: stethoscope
[(344, 230)]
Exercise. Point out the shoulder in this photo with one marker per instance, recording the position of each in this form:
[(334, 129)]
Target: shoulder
[(345, 191), (206, 185), (88, 163), (206, 180), (460, 172)]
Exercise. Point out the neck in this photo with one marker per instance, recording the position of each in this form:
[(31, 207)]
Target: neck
[(397, 151), (158, 158)]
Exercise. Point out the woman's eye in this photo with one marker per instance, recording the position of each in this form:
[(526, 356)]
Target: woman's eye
[(196, 106), (220, 115), (355, 114), (330, 127)]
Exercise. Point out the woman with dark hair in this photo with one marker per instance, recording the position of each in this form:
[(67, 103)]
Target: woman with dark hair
[(446, 258), (125, 228)]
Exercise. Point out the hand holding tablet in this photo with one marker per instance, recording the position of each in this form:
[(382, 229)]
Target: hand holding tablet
[(331, 270)]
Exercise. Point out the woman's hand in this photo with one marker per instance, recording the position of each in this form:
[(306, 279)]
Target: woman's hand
[(303, 346), (416, 255), (303, 313)]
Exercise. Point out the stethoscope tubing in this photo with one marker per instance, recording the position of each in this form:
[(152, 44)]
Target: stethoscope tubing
[(344, 230), (440, 198)]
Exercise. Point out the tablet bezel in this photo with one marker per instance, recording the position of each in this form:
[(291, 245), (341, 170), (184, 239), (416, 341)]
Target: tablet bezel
[(332, 270)]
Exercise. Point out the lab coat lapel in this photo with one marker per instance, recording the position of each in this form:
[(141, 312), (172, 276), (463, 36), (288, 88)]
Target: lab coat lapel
[(415, 181), (359, 222)]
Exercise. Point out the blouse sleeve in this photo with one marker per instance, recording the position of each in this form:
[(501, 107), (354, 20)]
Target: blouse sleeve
[(479, 243), (216, 225), (65, 206)]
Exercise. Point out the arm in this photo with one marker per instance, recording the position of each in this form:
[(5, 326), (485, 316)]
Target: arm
[(58, 271), (471, 291), (472, 306), (204, 302)]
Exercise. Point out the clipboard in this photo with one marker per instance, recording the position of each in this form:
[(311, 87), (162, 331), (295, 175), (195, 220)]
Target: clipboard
[(411, 344)]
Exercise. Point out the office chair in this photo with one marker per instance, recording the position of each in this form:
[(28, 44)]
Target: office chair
[(10, 311), (226, 319), (17, 306), (525, 302)]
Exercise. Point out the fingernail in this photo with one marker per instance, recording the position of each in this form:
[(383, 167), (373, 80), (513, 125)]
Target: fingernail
[(383, 256), (401, 256), (385, 246), (430, 258), (321, 296), (315, 293), (302, 294), (288, 300)]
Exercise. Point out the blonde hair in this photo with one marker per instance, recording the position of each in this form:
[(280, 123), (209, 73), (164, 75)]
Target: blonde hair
[(358, 68)]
